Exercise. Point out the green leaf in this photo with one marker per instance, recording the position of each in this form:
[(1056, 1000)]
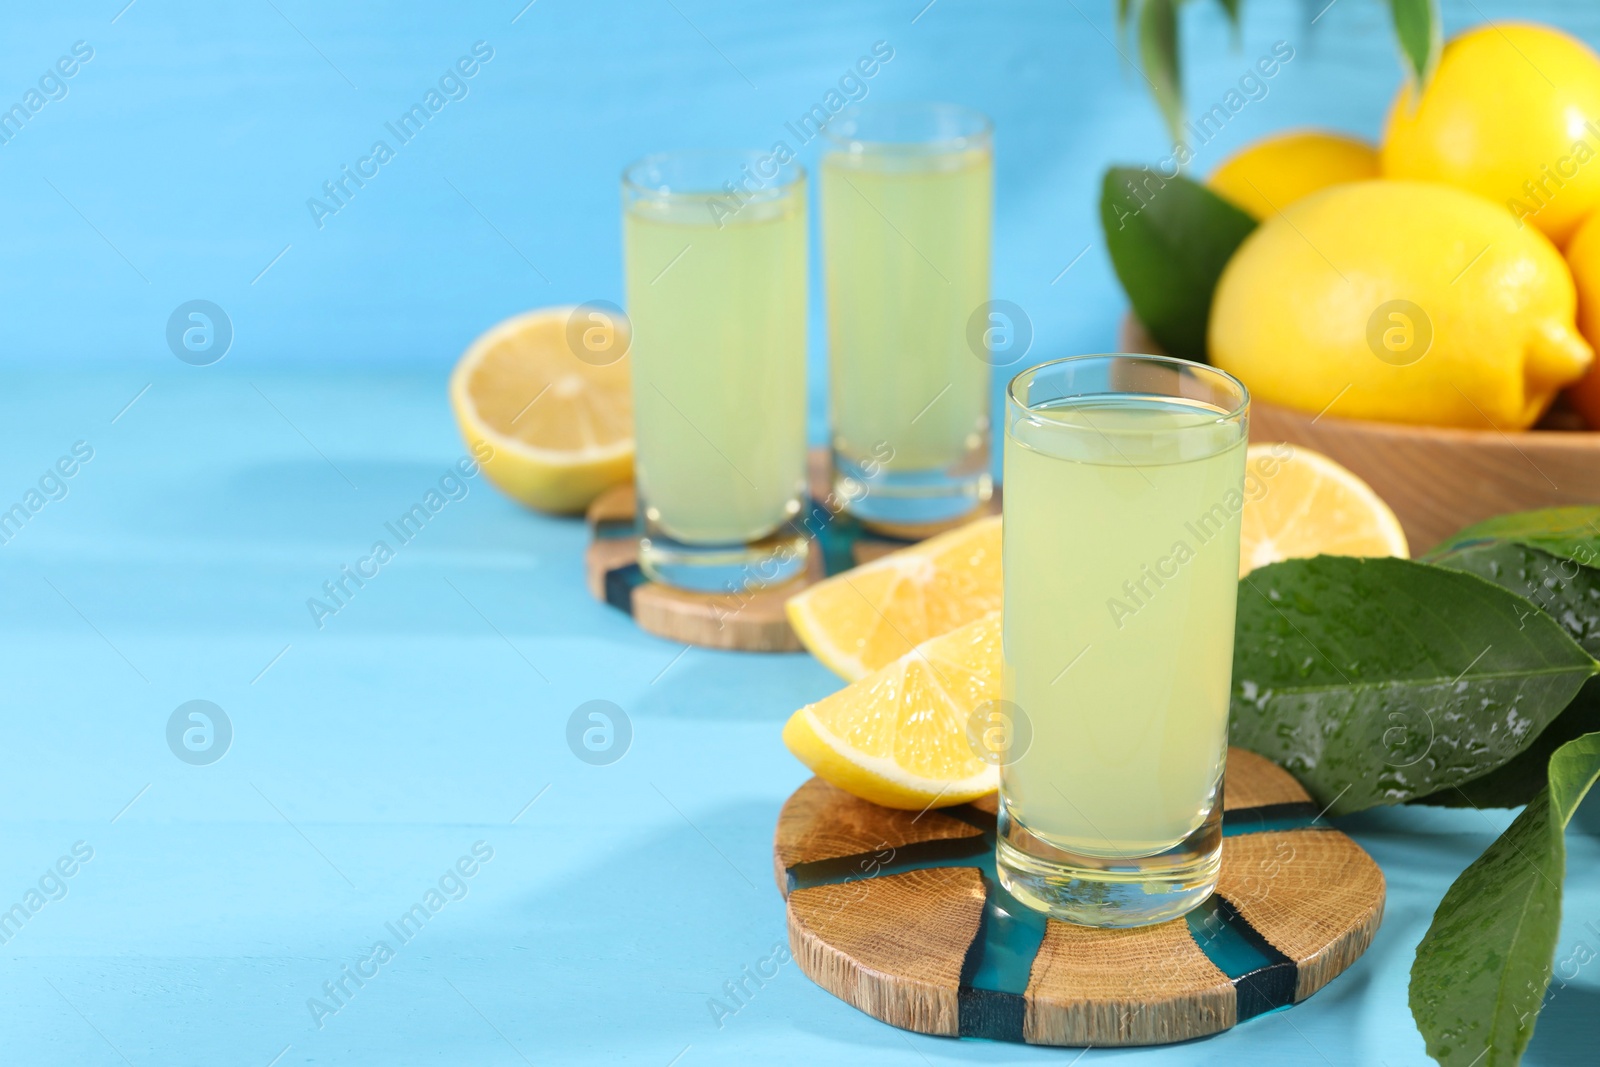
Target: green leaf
[(1158, 51), (1503, 551), (1482, 968), (1375, 681), (1519, 781), (1571, 533), (1169, 239), (1562, 588), (1232, 8), (1416, 24)]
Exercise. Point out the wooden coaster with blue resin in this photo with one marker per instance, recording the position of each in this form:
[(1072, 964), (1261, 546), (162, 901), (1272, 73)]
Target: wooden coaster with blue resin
[(899, 914), (750, 620)]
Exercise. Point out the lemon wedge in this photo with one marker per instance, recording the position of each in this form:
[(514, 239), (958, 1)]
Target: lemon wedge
[(899, 736), (871, 615)]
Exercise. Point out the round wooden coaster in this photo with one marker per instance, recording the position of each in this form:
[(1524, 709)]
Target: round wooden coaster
[(750, 620), (900, 914)]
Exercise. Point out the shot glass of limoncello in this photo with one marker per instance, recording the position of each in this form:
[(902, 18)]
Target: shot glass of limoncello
[(1124, 482), (714, 245), (907, 201)]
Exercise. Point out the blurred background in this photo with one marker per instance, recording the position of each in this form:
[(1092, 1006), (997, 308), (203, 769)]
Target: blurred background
[(179, 163)]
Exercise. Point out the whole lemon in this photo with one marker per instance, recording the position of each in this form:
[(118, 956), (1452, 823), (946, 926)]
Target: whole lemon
[(1512, 114), (1402, 302), (1583, 256), (1274, 172)]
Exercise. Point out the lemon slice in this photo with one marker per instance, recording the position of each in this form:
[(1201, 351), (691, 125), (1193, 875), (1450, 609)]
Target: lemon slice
[(870, 615), (898, 737), (1301, 503), (559, 429)]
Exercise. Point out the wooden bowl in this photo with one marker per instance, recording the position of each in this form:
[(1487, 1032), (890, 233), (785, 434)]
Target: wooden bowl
[(1436, 479)]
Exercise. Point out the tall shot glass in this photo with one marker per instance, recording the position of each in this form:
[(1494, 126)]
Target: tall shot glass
[(716, 291), (907, 205), (1124, 479)]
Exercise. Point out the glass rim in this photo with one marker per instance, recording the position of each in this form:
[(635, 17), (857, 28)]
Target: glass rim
[(981, 131), (1237, 412), (789, 175)]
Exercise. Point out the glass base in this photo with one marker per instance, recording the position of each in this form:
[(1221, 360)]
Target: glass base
[(737, 568), (1100, 891), (912, 504)]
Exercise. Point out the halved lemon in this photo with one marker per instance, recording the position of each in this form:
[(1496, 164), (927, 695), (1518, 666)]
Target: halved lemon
[(1301, 503), (871, 615), (559, 428), (899, 737)]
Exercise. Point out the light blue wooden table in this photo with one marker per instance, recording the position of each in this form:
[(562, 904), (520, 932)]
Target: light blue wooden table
[(415, 742)]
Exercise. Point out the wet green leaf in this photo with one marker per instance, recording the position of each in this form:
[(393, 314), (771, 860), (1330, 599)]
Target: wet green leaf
[(1562, 588), (1519, 781), (1482, 968), (1375, 681), (1536, 555), (1570, 533), (1169, 239)]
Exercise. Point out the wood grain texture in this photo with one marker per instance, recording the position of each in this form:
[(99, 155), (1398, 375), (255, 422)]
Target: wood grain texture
[(820, 821), (1314, 894), (1436, 479), (899, 954), (1124, 987), (900, 914), (1254, 782)]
